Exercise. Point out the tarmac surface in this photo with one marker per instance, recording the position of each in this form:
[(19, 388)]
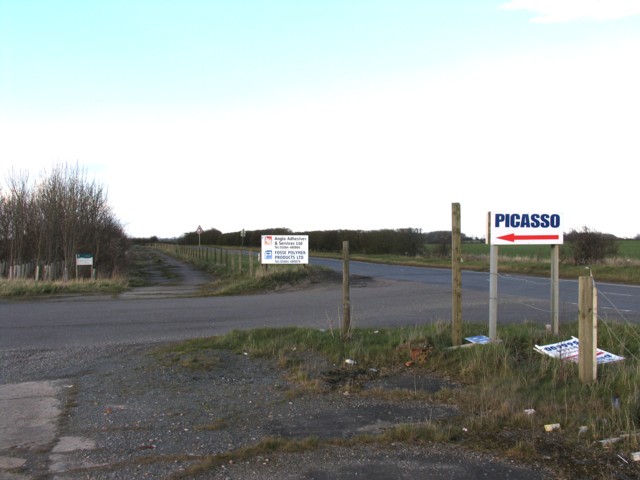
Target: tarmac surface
[(129, 412)]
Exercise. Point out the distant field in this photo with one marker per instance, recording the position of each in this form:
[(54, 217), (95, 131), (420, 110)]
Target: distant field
[(629, 248), (626, 249)]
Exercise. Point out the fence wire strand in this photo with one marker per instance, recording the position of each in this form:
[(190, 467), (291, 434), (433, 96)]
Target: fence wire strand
[(612, 334)]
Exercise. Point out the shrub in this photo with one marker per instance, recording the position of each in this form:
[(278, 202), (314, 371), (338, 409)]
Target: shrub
[(588, 246)]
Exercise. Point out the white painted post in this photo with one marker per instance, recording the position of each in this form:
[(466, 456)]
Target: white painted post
[(493, 293), (555, 288)]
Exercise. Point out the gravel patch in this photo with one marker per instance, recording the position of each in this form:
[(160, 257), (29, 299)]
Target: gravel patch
[(131, 412)]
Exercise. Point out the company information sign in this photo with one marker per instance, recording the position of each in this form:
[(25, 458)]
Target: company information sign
[(285, 249), (525, 228)]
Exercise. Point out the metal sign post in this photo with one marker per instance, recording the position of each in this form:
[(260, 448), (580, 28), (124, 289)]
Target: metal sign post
[(199, 231)]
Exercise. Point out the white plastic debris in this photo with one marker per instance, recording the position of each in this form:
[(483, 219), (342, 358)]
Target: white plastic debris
[(551, 427)]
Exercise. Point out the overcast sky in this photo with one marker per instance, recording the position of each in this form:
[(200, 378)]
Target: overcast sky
[(329, 114)]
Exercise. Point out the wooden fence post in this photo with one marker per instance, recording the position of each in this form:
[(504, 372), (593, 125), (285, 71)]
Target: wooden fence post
[(456, 276), (587, 330), (346, 301)]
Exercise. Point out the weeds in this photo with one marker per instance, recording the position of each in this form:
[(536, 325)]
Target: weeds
[(28, 288), (508, 392)]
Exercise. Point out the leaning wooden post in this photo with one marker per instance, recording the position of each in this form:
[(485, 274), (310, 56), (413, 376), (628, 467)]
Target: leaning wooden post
[(346, 302), (587, 330), (456, 276)]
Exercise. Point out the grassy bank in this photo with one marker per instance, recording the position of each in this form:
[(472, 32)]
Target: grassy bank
[(507, 392), (21, 288), (525, 260)]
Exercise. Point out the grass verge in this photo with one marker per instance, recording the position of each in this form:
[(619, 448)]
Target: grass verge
[(30, 288), (508, 392)]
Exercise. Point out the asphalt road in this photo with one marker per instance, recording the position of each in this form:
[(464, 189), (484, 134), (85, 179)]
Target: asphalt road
[(616, 301), (381, 296), (45, 342)]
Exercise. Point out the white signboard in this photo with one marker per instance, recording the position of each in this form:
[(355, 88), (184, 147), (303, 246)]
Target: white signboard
[(285, 249), (568, 350), (84, 259), (524, 228)]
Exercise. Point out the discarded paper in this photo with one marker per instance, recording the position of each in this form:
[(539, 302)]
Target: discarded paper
[(552, 427)]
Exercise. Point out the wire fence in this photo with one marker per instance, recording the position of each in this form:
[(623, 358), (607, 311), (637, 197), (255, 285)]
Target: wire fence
[(622, 318)]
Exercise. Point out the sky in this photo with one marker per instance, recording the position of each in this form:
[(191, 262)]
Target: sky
[(329, 114)]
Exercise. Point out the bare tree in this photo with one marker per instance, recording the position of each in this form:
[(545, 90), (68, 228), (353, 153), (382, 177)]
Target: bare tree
[(62, 215)]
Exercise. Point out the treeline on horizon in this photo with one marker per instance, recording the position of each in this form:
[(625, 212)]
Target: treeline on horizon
[(582, 246), (403, 241)]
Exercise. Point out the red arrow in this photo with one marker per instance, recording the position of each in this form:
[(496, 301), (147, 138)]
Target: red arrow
[(512, 237)]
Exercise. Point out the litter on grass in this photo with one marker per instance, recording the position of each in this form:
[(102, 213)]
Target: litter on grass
[(478, 339), (568, 350)]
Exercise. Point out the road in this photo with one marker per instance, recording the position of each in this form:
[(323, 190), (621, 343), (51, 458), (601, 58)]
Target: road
[(616, 301), (56, 353), (381, 296)]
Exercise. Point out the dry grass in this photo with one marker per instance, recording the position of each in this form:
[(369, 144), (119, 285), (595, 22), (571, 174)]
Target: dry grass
[(29, 288)]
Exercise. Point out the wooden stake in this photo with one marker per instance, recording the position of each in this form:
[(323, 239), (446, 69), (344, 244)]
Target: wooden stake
[(456, 276), (346, 301), (587, 330)]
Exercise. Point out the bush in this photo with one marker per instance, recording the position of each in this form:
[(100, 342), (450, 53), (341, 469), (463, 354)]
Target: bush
[(588, 246)]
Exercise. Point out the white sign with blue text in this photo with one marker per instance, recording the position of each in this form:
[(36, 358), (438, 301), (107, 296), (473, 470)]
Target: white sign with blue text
[(525, 228), (285, 249)]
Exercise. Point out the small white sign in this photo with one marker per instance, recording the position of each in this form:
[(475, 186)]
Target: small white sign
[(84, 259), (525, 228), (285, 249)]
